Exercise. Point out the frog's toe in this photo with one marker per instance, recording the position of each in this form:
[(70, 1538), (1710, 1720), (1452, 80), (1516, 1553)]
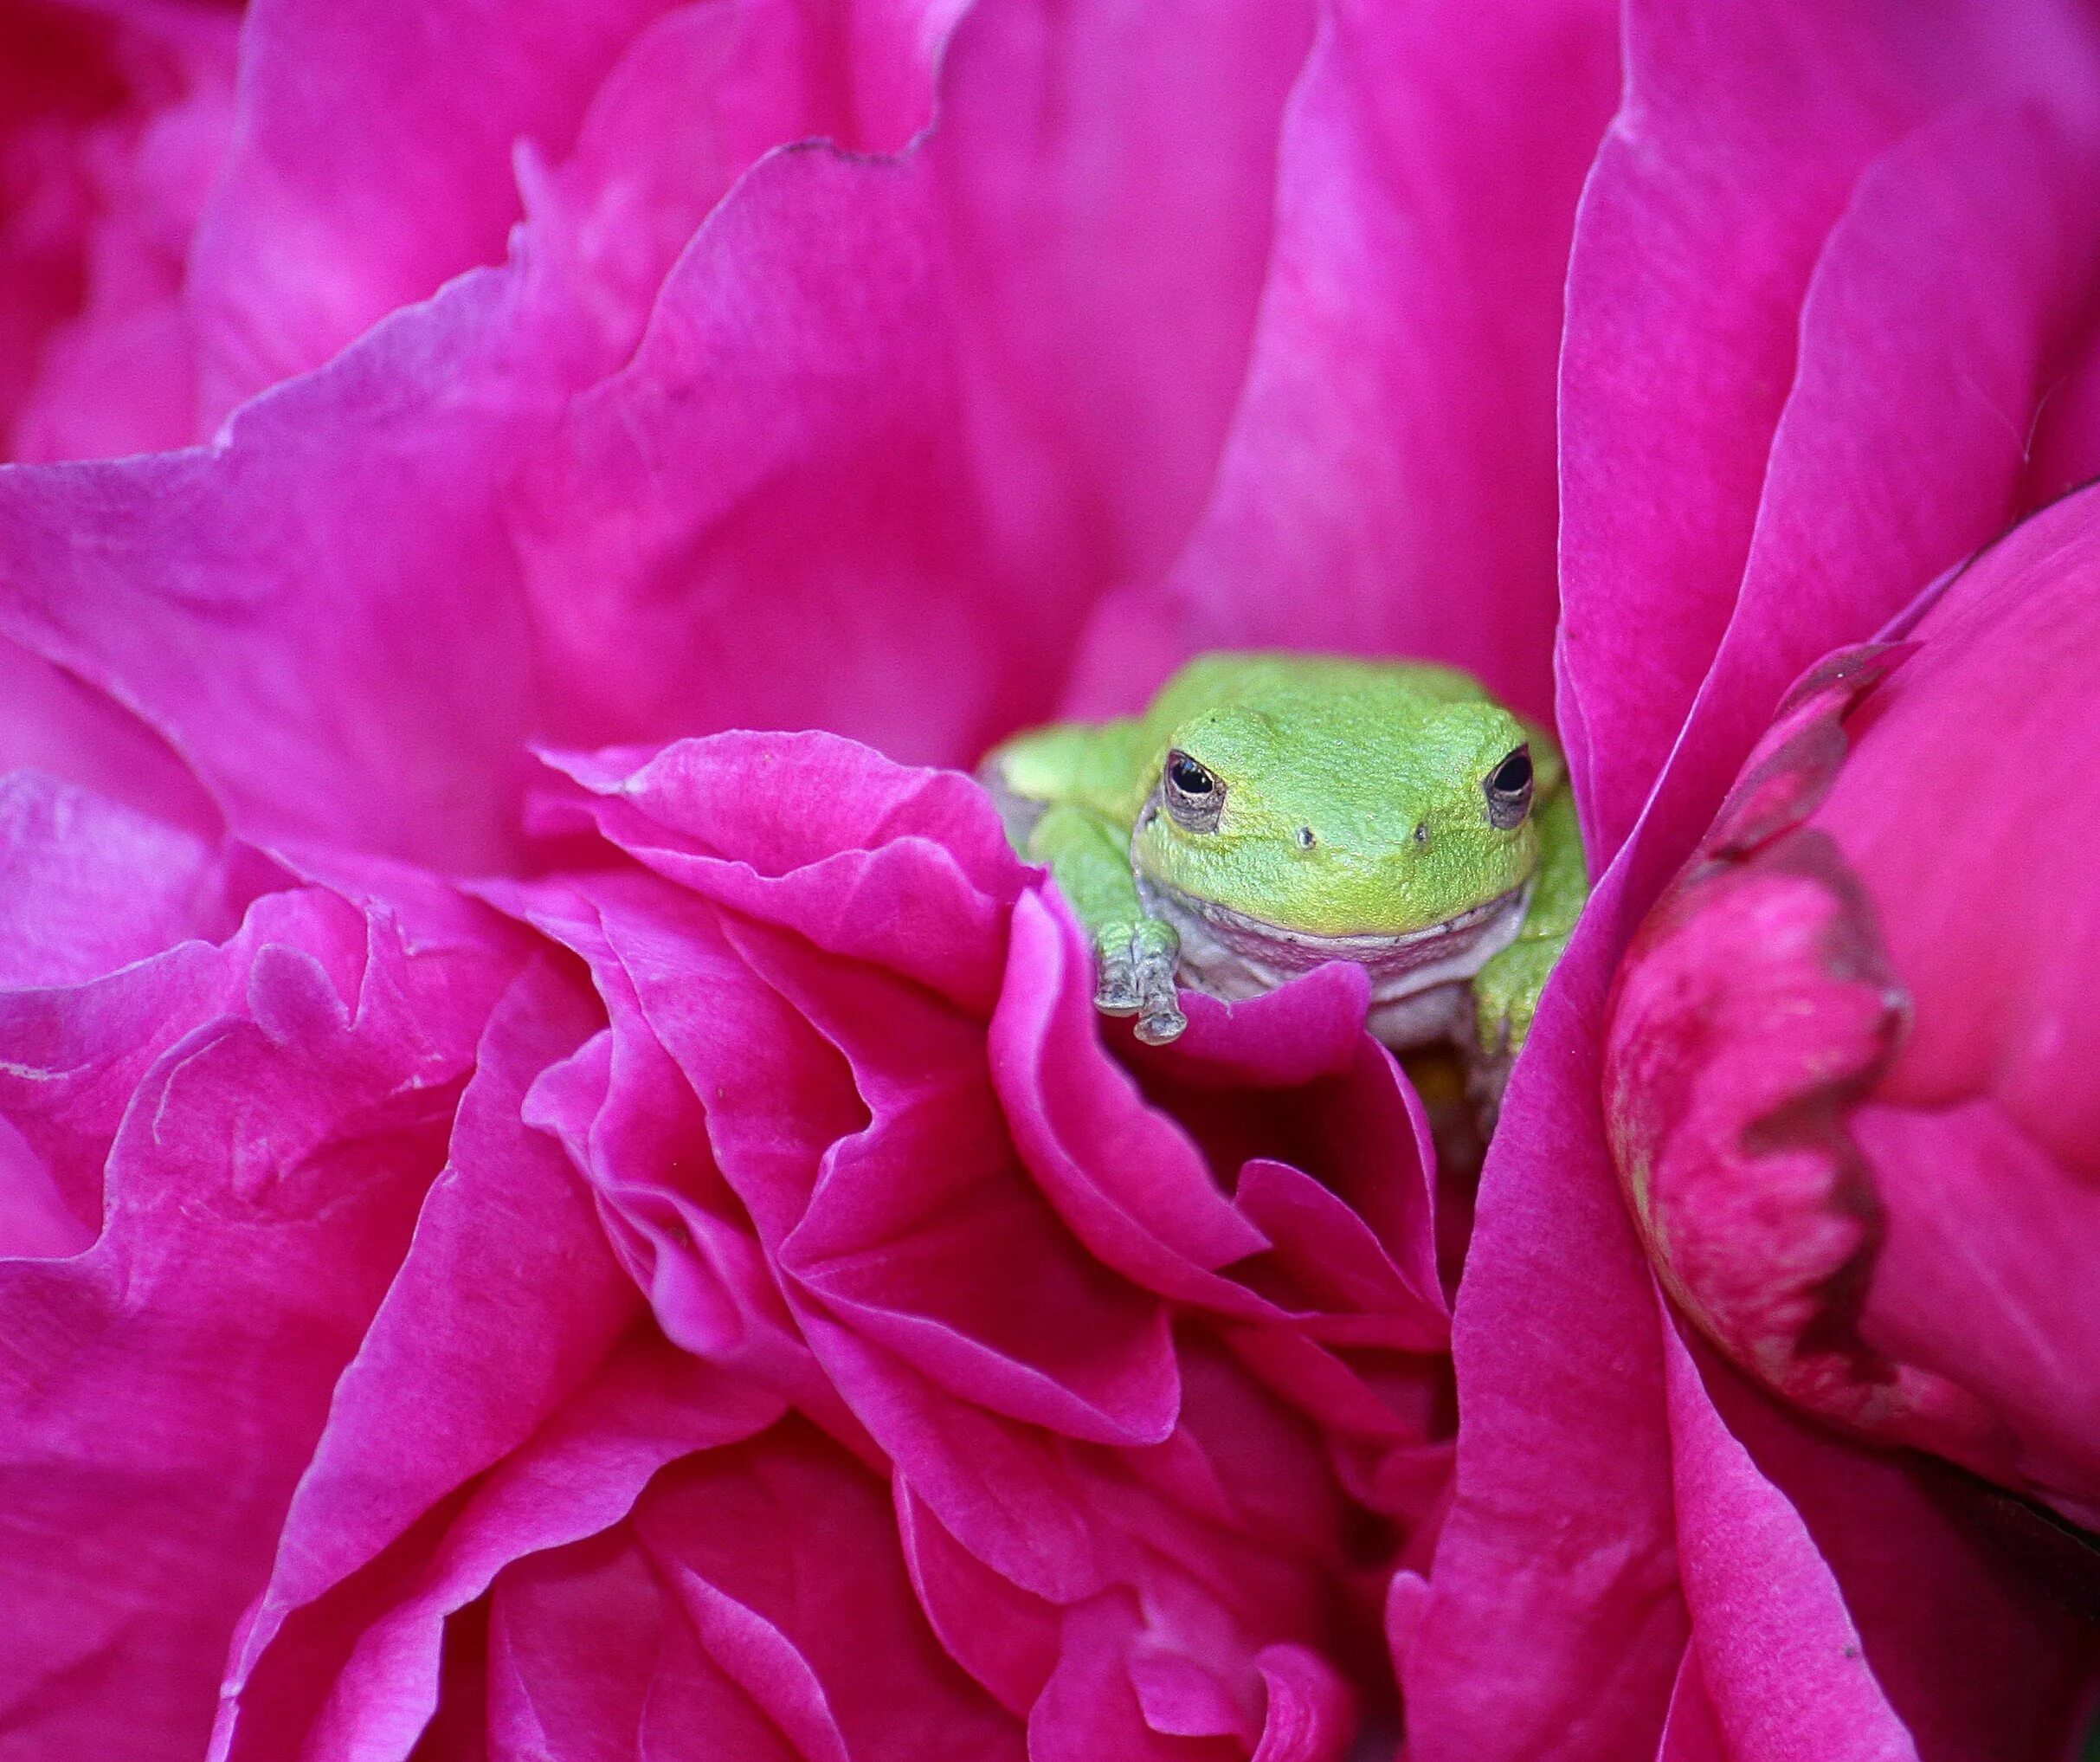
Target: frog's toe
[(1115, 991), (1159, 1010)]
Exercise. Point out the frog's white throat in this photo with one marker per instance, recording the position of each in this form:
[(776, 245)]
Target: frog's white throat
[(1418, 977)]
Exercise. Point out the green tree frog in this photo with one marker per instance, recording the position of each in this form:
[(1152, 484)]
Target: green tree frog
[(1272, 811)]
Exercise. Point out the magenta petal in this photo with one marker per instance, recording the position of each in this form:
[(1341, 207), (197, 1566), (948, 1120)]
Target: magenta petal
[(1388, 481), (698, 95), (925, 1232), (119, 375), (573, 1649), (791, 416), (1935, 306), (1005, 1637), (1562, 1523), (1783, 1667), (87, 887), (407, 631), (873, 860), (1122, 1175), (1976, 1647), (1107, 178), (1980, 1280), (782, 1558), (53, 722)]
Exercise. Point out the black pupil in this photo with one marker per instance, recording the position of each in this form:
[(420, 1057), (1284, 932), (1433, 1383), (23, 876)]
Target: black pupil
[(1189, 777), (1513, 776)]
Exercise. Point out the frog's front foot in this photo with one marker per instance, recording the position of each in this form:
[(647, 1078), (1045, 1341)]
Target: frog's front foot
[(1506, 993), (1134, 963)]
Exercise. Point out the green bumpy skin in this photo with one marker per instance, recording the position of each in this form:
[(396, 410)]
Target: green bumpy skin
[(1271, 811)]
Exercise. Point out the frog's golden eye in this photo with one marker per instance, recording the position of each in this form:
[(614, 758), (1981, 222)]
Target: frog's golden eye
[(1194, 796), (1509, 791)]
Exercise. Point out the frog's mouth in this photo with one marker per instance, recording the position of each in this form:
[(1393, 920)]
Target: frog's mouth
[(1233, 955)]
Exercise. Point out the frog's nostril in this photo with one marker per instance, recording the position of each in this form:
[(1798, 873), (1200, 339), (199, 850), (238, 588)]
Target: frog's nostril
[(1305, 839), (1421, 833)]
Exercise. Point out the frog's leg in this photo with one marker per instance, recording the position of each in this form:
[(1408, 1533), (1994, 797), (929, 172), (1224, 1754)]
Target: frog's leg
[(1062, 791), (1507, 990)]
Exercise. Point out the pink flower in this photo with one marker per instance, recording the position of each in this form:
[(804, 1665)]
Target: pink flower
[(541, 1226), (539, 1220)]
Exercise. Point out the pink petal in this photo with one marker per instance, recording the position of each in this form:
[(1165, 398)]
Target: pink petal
[(1561, 1527), (119, 374), (573, 1649), (1936, 308), (87, 887), (782, 1556), (53, 722), (1388, 483), (580, 1474), (1106, 182), (1977, 1651), (1783, 1665)]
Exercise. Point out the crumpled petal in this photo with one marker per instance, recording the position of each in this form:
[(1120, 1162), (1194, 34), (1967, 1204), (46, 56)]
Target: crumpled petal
[(247, 1131)]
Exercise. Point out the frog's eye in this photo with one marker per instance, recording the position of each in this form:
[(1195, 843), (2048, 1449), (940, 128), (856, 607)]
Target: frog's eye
[(1509, 791), (1193, 795)]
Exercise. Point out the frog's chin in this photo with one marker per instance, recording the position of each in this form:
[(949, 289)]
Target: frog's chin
[(1417, 976)]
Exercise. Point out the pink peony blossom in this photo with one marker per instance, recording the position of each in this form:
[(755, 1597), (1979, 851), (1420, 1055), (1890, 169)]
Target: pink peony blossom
[(538, 1221)]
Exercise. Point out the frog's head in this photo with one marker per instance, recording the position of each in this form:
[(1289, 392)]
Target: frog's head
[(1345, 815)]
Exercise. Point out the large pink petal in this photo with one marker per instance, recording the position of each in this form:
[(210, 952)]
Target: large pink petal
[(1106, 180), (783, 1557), (579, 1474), (329, 675), (1931, 333), (1388, 483), (1978, 1652), (840, 425)]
